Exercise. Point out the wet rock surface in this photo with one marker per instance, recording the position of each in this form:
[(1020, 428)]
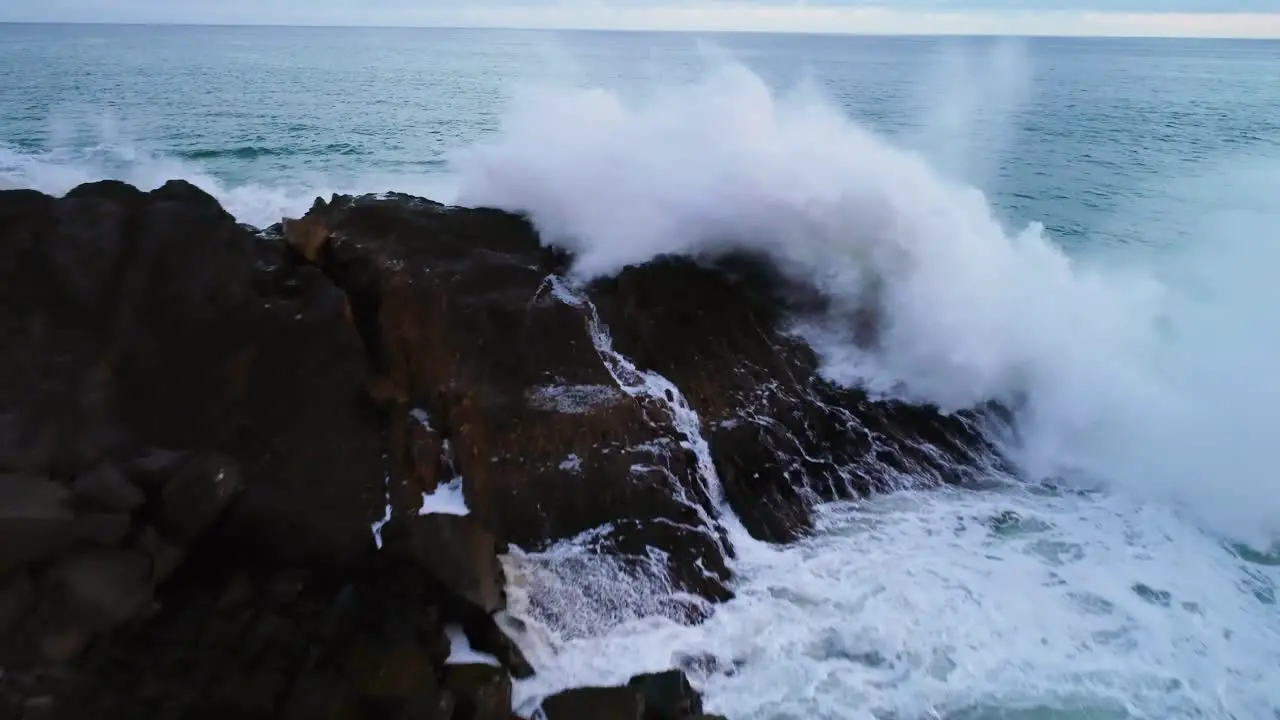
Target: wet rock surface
[(219, 448)]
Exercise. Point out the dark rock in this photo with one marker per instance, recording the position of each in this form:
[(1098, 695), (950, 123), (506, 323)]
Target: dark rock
[(39, 706), (322, 697), (63, 644), (782, 438), (102, 588), (481, 692), (390, 673), (102, 528), (144, 329), (433, 704), (596, 703), (165, 557), (484, 635), (197, 495), (36, 521), (238, 594), (107, 488), (352, 360), (456, 552), (152, 467), (668, 695), (17, 595)]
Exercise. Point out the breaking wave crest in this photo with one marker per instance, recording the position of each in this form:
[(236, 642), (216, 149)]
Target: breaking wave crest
[(1102, 361)]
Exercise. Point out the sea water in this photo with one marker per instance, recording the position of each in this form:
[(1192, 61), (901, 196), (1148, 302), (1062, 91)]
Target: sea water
[(1085, 230)]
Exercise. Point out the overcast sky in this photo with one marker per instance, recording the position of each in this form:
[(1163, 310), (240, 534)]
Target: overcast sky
[(1220, 18)]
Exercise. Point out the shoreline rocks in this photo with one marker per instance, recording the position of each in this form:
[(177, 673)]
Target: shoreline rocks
[(220, 448)]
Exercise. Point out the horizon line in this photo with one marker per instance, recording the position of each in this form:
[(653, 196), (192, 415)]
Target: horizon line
[(687, 31)]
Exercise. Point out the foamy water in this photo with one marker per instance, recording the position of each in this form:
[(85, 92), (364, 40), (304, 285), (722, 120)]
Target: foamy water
[(1144, 374), (958, 604)]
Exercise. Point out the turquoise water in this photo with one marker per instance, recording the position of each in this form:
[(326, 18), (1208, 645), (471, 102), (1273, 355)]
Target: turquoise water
[(1107, 118), (1090, 227)]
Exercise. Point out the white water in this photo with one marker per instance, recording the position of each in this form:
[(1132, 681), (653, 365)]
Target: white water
[(1115, 371), (916, 606), (1151, 374)]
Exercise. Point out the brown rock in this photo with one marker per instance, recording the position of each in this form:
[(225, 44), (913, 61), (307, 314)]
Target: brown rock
[(456, 309), (481, 692), (307, 236), (36, 521), (384, 394), (456, 552), (391, 672), (597, 703)]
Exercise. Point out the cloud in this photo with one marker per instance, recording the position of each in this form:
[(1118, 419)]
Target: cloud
[(1216, 18)]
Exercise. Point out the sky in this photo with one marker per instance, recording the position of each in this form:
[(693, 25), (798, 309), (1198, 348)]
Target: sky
[(1213, 18)]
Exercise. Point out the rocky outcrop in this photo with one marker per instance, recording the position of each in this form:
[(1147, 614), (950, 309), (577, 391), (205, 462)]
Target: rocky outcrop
[(782, 438), (219, 448), (172, 386), (659, 696)]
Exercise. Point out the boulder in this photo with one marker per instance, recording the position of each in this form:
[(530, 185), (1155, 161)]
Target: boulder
[(36, 520), (596, 703), (391, 672), (197, 494), (456, 552), (107, 488), (102, 588), (481, 692), (485, 636), (667, 695)]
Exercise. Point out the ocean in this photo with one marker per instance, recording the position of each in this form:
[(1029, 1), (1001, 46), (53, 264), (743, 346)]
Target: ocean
[(1086, 230)]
